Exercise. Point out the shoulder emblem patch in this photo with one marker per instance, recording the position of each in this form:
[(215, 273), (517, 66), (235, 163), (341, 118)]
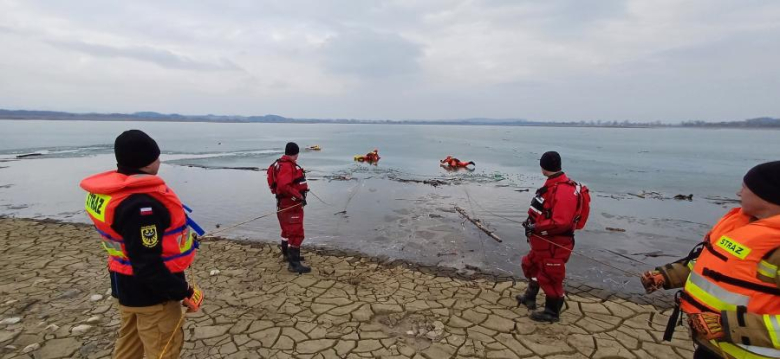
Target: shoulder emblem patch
[(149, 236)]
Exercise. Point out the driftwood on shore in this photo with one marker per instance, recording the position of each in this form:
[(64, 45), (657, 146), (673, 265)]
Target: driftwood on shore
[(479, 224)]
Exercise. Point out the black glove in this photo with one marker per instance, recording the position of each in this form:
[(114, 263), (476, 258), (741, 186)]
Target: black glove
[(529, 228), (302, 200)]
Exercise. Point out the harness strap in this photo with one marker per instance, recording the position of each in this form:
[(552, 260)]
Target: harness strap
[(708, 245), (195, 226), (672, 324)]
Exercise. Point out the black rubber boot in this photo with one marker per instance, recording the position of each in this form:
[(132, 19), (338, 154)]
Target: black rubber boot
[(551, 312), (284, 249), (528, 299), (295, 265)]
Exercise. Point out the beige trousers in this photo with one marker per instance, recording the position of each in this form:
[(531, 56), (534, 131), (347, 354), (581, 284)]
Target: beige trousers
[(146, 330)]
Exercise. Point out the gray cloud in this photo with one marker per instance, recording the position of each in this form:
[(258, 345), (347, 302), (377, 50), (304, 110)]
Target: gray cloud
[(544, 60), (160, 57)]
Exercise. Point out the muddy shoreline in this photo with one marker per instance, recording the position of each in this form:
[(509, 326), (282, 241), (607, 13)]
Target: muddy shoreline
[(350, 306)]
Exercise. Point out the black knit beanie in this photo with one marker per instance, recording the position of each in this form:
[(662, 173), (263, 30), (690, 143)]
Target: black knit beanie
[(551, 161), (764, 181), (291, 149), (135, 149)]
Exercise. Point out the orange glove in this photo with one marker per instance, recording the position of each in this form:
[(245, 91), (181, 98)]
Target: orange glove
[(652, 281), (706, 325), (194, 301)]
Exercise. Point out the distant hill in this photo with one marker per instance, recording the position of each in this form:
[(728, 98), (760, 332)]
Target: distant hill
[(763, 122), (175, 117), (137, 116)]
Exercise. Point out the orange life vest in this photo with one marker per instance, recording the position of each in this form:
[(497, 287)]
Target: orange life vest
[(107, 190), (725, 277)]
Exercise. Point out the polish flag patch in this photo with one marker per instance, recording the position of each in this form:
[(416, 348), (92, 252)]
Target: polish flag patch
[(146, 211)]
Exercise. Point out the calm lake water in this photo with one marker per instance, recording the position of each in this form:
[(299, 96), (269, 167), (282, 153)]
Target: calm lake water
[(209, 166)]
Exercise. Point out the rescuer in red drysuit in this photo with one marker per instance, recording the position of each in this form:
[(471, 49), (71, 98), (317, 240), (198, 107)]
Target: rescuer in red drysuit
[(552, 218)]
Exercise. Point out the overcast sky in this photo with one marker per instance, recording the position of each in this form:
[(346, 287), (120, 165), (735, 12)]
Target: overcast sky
[(553, 60)]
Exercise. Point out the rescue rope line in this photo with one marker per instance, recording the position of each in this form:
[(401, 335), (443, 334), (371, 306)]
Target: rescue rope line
[(212, 233), (515, 221), (632, 274), (320, 199), (356, 189), (178, 327), (481, 240)]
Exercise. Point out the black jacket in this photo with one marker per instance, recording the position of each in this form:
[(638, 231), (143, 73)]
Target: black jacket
[(151, 283)]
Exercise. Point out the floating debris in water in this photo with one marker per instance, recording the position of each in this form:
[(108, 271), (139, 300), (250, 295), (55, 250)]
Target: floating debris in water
[(433, 182), (653, 254), (651, 194), (722, 200), (339, 178), (29, 155)]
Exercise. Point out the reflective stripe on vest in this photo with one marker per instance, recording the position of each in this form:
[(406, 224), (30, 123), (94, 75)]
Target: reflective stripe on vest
[(766, 269), (772, 323), (691, 263), (713, 295), (126, 261), (114, 247), (742, 351)]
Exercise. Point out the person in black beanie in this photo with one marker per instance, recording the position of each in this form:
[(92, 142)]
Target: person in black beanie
[(550, 162), (553, 216), (287, 180), (143, 225), (136, 153), (731, 288), (760, 194)]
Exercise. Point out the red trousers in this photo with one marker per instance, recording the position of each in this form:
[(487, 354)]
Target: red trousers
[(291, 221), (546, 263)]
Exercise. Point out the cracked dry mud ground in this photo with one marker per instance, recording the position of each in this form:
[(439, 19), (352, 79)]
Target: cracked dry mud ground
[(54, 304)]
